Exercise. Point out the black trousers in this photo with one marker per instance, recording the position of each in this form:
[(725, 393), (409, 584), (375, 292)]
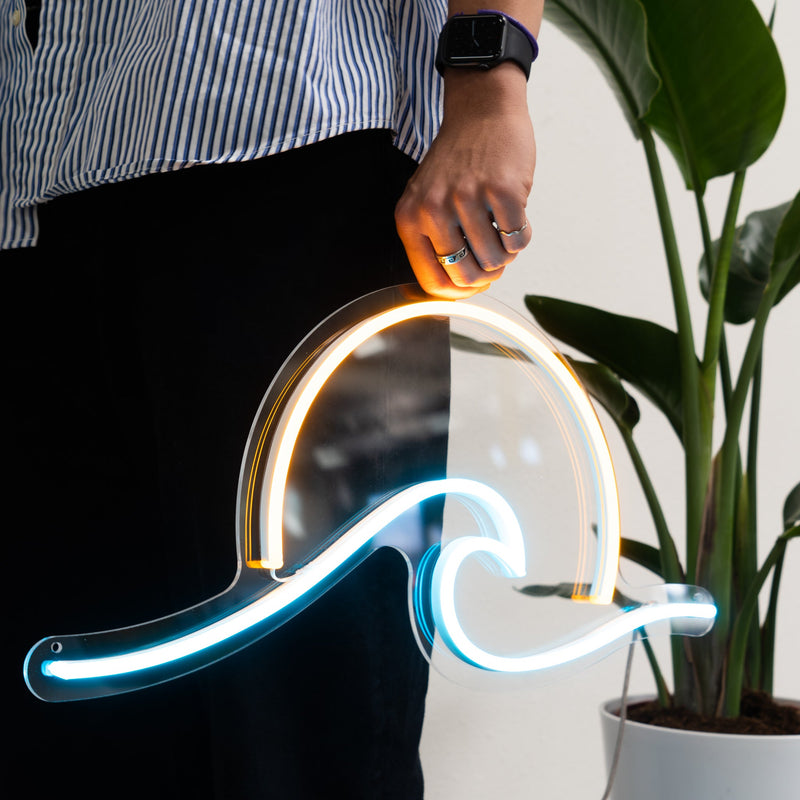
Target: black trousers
[(142, 333)]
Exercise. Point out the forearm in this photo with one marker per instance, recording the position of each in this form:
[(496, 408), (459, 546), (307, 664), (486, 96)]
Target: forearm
[(503, 85), (473, 186)]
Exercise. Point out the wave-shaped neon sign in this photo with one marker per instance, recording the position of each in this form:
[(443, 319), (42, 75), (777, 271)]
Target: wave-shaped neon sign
[(259, 600)]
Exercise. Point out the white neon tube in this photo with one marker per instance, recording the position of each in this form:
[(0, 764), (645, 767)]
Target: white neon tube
[(508, 550), (302, 583), (456, 639)]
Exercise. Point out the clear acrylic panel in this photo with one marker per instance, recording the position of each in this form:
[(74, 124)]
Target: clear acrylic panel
[(450, 430)]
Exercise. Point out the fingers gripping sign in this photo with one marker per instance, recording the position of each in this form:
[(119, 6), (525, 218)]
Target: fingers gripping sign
[(462, 217)]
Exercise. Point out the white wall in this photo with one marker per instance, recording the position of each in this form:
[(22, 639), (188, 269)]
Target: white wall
[(596, 240)]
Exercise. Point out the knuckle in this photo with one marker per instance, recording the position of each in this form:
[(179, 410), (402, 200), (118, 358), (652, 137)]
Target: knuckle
[(493, 258), (443, 287), (467, 192), (435, 205), (510, 194), (405, 215), (401, 212), (459, 280), (493, 264), (494, 274), (434, 282), (515, 245)]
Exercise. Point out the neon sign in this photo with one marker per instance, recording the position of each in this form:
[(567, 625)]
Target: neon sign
[(259, 600)]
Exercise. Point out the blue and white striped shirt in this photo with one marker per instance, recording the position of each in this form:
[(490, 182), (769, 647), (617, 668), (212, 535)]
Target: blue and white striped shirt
[(119, 88)]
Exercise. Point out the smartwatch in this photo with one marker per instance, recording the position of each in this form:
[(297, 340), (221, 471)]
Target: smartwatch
[(484, 40)]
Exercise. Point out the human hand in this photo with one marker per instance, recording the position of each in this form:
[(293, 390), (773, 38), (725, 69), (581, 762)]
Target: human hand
[(478, 171)]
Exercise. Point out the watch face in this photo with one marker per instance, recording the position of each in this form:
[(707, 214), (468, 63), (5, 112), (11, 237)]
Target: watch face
[(475, 39)]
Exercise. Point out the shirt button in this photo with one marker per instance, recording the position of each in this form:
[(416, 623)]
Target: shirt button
[(16, 17)]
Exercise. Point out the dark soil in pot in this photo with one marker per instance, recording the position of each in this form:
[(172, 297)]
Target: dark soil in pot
[(761, 715)]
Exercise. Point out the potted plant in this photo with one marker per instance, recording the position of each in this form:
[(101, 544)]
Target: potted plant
[(705, 78)]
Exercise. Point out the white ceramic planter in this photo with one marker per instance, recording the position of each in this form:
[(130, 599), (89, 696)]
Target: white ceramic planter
[(665, 764)]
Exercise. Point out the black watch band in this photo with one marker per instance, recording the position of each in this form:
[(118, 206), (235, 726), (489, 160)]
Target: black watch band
[(484, 40)]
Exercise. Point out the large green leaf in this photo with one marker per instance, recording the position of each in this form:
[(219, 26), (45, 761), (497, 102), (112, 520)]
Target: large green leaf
[(791, 508), (613, 33), (723, 88), (644, 555), (751, 260), (640, 352), (787, 249)]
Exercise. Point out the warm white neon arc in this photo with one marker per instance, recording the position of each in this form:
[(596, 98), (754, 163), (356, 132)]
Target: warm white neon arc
[(608, 512)]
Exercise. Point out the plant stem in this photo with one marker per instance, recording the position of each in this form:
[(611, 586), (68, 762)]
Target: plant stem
[(705, 231), (725, 372), (708, 253), (723, 569), (752, 450), (696, 436), (671, 569), (768, 631), (739, 397), (719, 281), (735, 677), (664, 698), (749, 545), (729, 223), (718, 561)]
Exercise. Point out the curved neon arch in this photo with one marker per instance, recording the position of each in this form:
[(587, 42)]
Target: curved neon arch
[(602, 589)]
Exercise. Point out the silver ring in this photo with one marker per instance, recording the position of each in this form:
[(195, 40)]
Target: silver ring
[(509, 233), (453, 258)]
